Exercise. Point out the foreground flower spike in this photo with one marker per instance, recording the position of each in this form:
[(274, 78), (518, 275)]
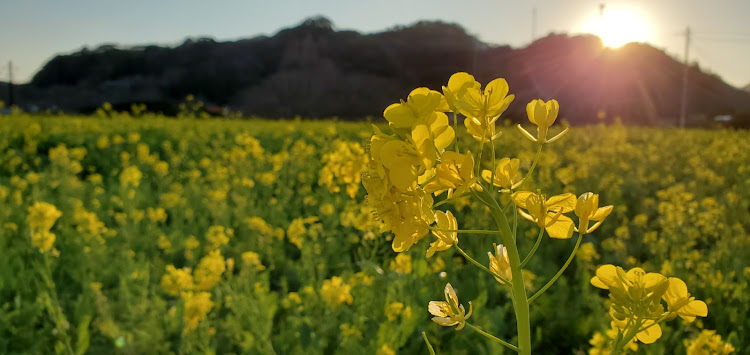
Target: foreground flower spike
[(444, 221), (543, 115), (587, 209), (507, 174), (450, 312), (681, 304), (547, 214), (500, 263)]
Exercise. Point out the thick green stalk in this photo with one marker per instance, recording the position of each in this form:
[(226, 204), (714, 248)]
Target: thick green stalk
[(520, 303)]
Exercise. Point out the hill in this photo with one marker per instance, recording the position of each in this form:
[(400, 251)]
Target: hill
[(313, 70)]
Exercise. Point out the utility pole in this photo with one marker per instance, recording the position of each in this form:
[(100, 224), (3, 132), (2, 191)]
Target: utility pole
[(685, 72), (10, 84), (533, 23)]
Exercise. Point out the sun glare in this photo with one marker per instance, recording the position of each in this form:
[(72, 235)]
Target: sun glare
[(619, 26)]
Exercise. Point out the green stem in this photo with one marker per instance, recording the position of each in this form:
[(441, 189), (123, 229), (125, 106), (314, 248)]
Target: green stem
[(450, 199), (619, 345), (533, 250), (533, 165), (424, 335), (55, 309), (565, 266), (479, 265), (496, 339), (492, 177), (520, 303), (479, 159)]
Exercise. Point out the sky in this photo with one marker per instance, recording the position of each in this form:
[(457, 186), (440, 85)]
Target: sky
[(34, 31)]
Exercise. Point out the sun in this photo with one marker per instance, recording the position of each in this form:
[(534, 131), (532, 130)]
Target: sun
[(617, 26)]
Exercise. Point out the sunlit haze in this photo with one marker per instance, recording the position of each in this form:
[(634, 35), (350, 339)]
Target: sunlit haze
[(619, 25), (35, 31)]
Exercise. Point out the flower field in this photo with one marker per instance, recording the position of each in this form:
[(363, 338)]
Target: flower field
[(158, 235)]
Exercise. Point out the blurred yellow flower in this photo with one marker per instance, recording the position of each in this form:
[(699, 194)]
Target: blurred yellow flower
[(401, 264), (385, 350), (130, 176), (335, 291), (197, 305), (176, 281), (209, 271), (393, 310), (43, 240), (251, 259), (42, 216)]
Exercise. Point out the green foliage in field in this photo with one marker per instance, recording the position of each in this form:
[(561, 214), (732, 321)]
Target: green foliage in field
[(222, 236)]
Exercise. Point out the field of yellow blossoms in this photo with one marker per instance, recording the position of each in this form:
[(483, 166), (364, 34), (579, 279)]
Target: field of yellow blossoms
[(138, 233)]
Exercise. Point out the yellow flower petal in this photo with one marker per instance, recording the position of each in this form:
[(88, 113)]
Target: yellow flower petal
[(651, 334), (562, 228), (565, 201), (520, 197), (602, 213)]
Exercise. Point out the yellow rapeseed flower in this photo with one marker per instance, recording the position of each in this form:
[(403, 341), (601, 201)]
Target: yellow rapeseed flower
[(500, 263), (176, 281), (42, 216), (543, 115), (209, 271), (485, 105), (547, 213), (681, 303), (393, 310), (420, 105), (130, 176), (587, 209), (507, 175), (401, 264), (450, 312), (444, 221), (43, 240), (454, 174), (251, 259), (456, 83), (335, 291), (385, 350), (197, 305)]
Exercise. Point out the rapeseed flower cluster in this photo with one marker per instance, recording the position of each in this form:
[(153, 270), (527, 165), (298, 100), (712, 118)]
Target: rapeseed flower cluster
[(41, 218), (636, 307)]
